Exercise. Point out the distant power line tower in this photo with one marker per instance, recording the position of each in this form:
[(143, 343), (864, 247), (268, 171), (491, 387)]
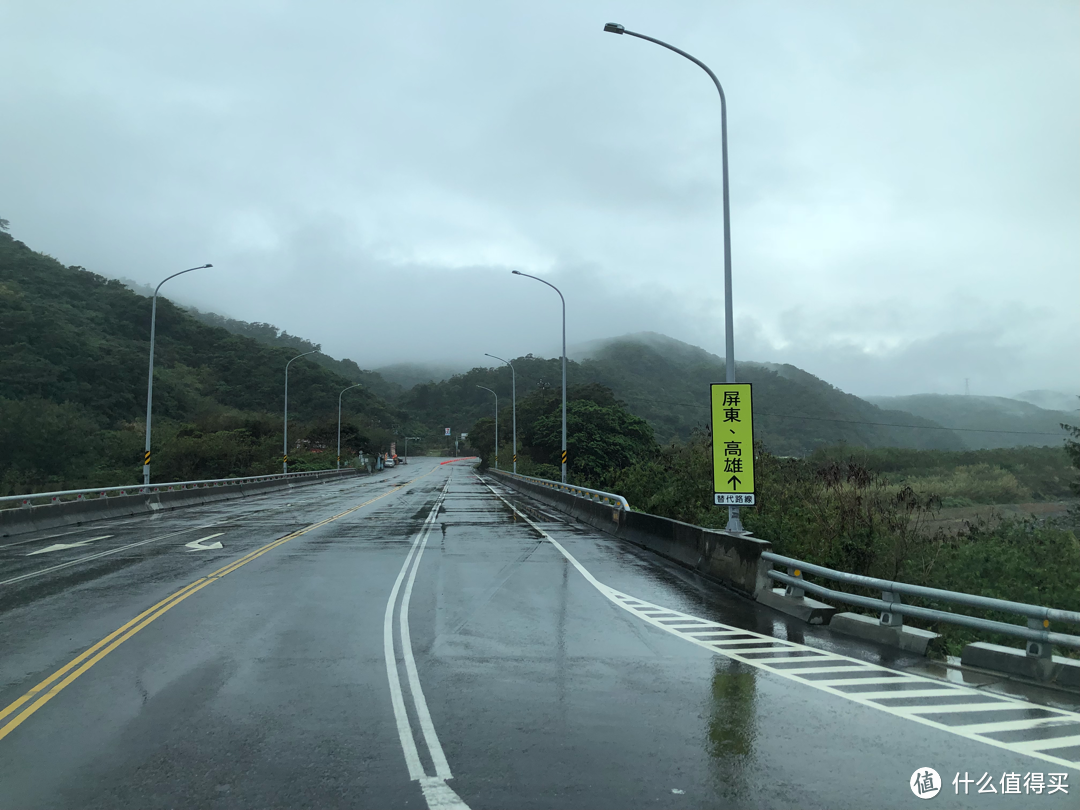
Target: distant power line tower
[(966, 390)]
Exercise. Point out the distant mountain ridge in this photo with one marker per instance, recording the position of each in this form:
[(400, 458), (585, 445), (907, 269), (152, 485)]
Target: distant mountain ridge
[(666, 381), (986, 422), (1051, 400)]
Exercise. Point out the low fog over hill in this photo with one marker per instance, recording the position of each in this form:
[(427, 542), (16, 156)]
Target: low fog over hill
[(1002, 422)]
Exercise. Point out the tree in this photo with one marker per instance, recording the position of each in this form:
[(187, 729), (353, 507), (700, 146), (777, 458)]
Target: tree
[(1072, 447)]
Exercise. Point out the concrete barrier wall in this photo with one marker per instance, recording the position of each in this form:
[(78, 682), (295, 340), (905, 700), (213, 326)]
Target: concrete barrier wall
[(730, 559), (67, 513)]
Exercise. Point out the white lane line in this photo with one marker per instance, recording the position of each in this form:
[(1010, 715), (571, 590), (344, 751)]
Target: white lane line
[(98, 555), (438, 758), (1019, 725), (440, 796), (949, 708), (405, 735), (197, 545), (437, 794), (62, 546), (934, 688), (1034, 746), (860, 681)]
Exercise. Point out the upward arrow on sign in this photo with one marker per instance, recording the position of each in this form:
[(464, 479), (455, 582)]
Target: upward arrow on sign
[(734, 481)]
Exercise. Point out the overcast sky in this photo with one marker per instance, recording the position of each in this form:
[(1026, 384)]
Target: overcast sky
[(905, 176)]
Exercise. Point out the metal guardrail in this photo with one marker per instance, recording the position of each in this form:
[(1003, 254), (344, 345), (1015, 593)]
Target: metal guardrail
[(139, 489), (581, 492), (892, 609)]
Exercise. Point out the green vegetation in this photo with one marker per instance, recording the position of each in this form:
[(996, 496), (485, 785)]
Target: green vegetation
[(270, 335), (73, 357), (1072, 448), (836, 510), (602, 436), (1009, 475)]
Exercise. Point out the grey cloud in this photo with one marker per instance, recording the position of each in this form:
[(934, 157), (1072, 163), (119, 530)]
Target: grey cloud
[(904, 178)]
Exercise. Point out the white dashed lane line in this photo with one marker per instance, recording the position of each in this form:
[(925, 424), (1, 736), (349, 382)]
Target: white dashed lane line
[(1052, 735)]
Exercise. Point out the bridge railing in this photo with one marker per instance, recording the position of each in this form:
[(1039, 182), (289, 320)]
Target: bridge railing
[(893, 609), (69, 495), (618, 501)]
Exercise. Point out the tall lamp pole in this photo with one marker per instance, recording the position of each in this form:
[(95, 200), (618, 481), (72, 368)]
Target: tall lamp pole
[(556, 289), (343, 390), (733, 524), (513, 400), (150, 378), (285, 442), (496, 425)]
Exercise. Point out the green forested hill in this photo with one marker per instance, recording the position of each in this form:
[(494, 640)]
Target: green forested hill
[(74, 348), (667, 382), (270, 335)]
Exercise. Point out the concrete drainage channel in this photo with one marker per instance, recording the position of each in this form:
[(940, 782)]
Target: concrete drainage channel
[(28, 518), (745, 563)]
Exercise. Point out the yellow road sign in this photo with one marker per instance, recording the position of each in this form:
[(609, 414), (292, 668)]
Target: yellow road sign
[(733, 444)]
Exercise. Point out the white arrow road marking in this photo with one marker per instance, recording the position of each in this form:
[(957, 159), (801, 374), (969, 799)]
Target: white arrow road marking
[(197, 545), (62, 546)]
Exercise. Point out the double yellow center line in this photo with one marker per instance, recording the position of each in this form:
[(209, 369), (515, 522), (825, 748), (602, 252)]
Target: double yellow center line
[(67, 674)]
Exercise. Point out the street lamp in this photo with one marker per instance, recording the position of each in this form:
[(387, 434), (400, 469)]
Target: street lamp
[(733, 524), (556, 289), (496, 425), (338, 417), (150, 379), (285, 443), (513, 399), (415, 439)]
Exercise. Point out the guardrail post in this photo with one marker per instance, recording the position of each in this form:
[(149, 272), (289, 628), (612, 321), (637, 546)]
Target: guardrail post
[(791, 590), (889, 618), (1039, 649)]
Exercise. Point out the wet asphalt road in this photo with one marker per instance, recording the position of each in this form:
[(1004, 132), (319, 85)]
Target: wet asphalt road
[(519, 684)]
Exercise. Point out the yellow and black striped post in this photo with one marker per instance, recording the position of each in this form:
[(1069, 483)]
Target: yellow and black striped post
[(563, 456), (146, 459), (515, 458)]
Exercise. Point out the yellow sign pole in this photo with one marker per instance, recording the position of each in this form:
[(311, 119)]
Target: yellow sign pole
[(733, 445)]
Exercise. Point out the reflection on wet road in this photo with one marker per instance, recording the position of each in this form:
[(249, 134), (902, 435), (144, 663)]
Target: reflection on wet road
[(428, 638)]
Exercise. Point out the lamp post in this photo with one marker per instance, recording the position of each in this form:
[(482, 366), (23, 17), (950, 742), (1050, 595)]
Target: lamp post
[(415, 439), (343, 390), (513, 400), (733, 524), (150, 378), (556, 289), (496, 425), (285, 443)]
